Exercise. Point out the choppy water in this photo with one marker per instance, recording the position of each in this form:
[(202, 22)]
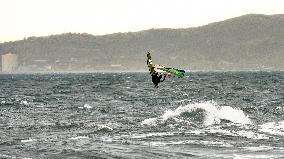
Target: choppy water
[(122, 115)]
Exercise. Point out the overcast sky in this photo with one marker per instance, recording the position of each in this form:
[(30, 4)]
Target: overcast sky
[(25, 18)]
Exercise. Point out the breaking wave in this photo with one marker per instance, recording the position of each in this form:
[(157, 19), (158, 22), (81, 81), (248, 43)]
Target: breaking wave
[(273, 128), (205, 113)]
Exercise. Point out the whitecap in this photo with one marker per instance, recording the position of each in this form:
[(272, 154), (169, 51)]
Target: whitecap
[(155, 143), (259, 148), (28, 140), (86, 106), (24, 102), (196, 132), (252, 156), (252, 135), (156, 134), (104, 128), (213, 114), (220, 131), (150, 122), (215, 143), (186, 142), (79, 137), (273, 128)]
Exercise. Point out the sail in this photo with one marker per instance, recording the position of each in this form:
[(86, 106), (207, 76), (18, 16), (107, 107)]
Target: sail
[(155, 68), (174, 71), (149, 63)]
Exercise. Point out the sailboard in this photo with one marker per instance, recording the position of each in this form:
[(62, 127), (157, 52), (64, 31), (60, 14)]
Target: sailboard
[(174, 71)]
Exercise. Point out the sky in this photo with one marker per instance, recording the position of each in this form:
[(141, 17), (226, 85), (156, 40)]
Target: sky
[(25, 18)]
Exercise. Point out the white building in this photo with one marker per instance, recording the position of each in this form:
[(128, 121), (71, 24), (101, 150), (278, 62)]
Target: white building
[(9, 63)]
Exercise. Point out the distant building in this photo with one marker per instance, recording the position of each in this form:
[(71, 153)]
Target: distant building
[(9, 63)]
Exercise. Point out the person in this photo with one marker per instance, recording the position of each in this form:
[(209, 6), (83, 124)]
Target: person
[(156, 78)]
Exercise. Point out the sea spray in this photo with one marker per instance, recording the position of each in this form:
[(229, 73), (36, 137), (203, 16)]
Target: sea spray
[(210, 112), (273, 128)]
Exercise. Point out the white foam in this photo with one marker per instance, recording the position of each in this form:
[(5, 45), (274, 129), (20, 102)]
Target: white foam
[(156, 144), (215, 143), (213, 114), (253, 156), (105, 127), (186, 142), (252, 135), (150, 122), (161, 143), (158, 134), (79, 137), (7, 156), (274, 128), (24, 102), (259, 148), (196, 132), (221, 131), (28, 140), (86, 106), (232, 114)]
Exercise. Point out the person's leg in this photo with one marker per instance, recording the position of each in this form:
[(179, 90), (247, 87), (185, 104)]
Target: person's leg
[(156, 85)]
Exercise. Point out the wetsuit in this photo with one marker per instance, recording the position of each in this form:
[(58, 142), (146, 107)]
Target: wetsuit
[(156, 79)]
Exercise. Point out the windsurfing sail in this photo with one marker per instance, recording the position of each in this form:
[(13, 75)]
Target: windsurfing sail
[(149, 63), (174, 71)]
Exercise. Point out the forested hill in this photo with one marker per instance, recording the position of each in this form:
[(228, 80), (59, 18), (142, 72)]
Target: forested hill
[(249, 42)]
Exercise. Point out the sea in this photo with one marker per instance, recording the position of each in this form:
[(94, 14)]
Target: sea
[(204, 115)]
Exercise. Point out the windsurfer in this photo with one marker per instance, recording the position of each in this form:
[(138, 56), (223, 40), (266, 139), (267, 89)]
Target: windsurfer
[(156, 78)]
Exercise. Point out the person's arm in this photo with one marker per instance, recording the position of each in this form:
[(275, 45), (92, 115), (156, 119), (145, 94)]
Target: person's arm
[(163, 78)]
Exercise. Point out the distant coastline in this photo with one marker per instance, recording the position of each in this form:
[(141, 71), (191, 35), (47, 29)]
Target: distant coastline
[(249, 42)]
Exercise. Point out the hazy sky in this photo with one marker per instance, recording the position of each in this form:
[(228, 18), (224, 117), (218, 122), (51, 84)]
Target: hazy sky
[(25, 18)]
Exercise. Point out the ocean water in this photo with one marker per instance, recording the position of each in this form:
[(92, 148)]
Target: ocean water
[(121, 115)]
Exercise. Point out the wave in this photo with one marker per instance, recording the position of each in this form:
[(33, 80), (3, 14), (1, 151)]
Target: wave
[(79, 137), (273, 128), (204, 113), (28, 140), (86, 106), (260, 148)]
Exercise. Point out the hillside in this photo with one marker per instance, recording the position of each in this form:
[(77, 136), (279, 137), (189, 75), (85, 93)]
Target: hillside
[(250, 42)]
